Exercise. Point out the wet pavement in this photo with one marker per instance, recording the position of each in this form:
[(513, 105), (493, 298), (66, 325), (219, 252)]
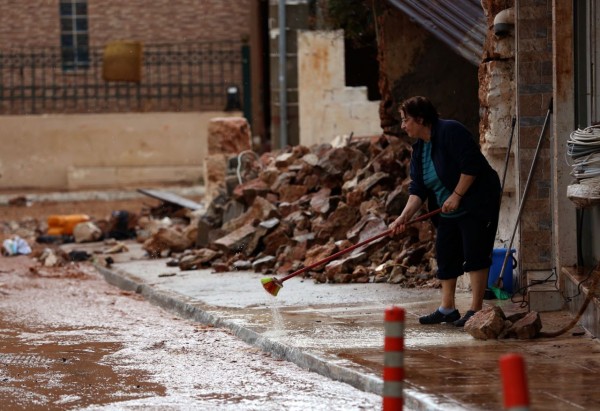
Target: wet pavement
[(337, 331), (70, 340)]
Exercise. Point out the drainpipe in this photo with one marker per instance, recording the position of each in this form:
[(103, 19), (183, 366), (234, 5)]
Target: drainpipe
[(283, 140)]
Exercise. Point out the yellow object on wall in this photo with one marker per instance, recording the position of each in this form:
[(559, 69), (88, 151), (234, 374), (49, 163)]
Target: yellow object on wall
[(122, 61)]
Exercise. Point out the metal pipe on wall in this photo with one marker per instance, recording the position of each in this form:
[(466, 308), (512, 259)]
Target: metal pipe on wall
[(283, 140)]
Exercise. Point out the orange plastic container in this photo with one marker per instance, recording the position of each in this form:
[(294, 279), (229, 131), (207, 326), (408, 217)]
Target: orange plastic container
[(64, 224)]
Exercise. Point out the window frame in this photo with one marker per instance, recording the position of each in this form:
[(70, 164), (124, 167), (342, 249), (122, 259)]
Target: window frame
[(74, 35)]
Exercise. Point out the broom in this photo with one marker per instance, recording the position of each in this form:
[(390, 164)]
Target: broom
[(273, 285)]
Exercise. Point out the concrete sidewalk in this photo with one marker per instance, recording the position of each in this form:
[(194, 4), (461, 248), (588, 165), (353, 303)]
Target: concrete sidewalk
[(337, 331)]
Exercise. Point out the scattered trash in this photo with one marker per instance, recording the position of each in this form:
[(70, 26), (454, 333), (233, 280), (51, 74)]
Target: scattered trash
[(171, 198), (103, 261), (48, 258), (117, 248), (122, 225), (19, 201), (15, 246), (54, 239), (79, 255), (64, 224), (86, 232)]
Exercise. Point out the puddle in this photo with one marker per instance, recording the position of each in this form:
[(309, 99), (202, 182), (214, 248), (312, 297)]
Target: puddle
[(51, 373)]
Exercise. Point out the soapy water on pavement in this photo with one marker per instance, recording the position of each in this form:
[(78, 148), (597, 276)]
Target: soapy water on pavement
[(277, 328)]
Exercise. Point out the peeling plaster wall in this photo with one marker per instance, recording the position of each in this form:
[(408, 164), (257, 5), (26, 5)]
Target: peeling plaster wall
[(327, 107), (497, 101)]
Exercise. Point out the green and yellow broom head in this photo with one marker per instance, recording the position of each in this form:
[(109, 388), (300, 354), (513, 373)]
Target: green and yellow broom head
[(272, 285)]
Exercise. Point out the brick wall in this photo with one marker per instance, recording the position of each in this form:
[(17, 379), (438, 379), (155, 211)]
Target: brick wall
[(534, 91), (36, 22)]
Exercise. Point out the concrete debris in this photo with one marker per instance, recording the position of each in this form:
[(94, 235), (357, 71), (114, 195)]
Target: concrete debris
[(307, 203), (286, 210), (196, 259), (119, 247), (527, 327), (492, 323), (48, 258), (227, 136), (486, 324), (86, 232), (166, 241)]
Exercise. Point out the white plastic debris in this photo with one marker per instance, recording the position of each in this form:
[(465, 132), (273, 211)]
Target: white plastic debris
[(15, 246)]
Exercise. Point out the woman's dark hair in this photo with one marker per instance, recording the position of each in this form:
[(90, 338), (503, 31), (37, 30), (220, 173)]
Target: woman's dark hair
[(420, 107)]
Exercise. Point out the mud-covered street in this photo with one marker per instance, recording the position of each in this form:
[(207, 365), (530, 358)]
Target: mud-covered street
[(72, 341)]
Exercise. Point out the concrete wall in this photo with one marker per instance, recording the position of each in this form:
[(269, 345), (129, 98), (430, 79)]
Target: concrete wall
[(96, 150), (563, 123), (327, 107)]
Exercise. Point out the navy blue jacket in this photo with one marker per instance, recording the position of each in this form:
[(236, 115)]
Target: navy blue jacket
[(455, 152)]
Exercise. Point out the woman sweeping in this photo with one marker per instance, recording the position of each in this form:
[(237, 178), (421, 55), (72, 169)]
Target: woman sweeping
[(449, 171)]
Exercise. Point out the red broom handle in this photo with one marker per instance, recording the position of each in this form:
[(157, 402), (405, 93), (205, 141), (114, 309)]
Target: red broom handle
[(345, 250)]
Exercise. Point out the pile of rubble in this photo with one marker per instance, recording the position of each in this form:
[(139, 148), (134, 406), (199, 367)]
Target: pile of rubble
[(290, 209), (280, 212)]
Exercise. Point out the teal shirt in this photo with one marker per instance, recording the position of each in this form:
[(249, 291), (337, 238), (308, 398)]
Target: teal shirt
[(433, 182)]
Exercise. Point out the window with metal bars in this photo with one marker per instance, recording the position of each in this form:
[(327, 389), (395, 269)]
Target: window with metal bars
[(74, 36)]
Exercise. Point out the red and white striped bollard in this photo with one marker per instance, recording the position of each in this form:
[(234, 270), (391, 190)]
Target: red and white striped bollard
[(393, 359)]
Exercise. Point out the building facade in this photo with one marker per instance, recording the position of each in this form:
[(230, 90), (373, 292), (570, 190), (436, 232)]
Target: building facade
[(178, 63)]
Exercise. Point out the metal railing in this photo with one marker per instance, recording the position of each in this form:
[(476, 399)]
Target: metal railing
[(175, 77)]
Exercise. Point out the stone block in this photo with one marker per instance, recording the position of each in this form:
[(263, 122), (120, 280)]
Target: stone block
[(215, 171), (486, 324), (542, 293), (237, 241), (228, 135), (527, 327)]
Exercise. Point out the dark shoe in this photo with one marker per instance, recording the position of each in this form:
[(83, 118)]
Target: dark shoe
[(437, 317), (464, 319)]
